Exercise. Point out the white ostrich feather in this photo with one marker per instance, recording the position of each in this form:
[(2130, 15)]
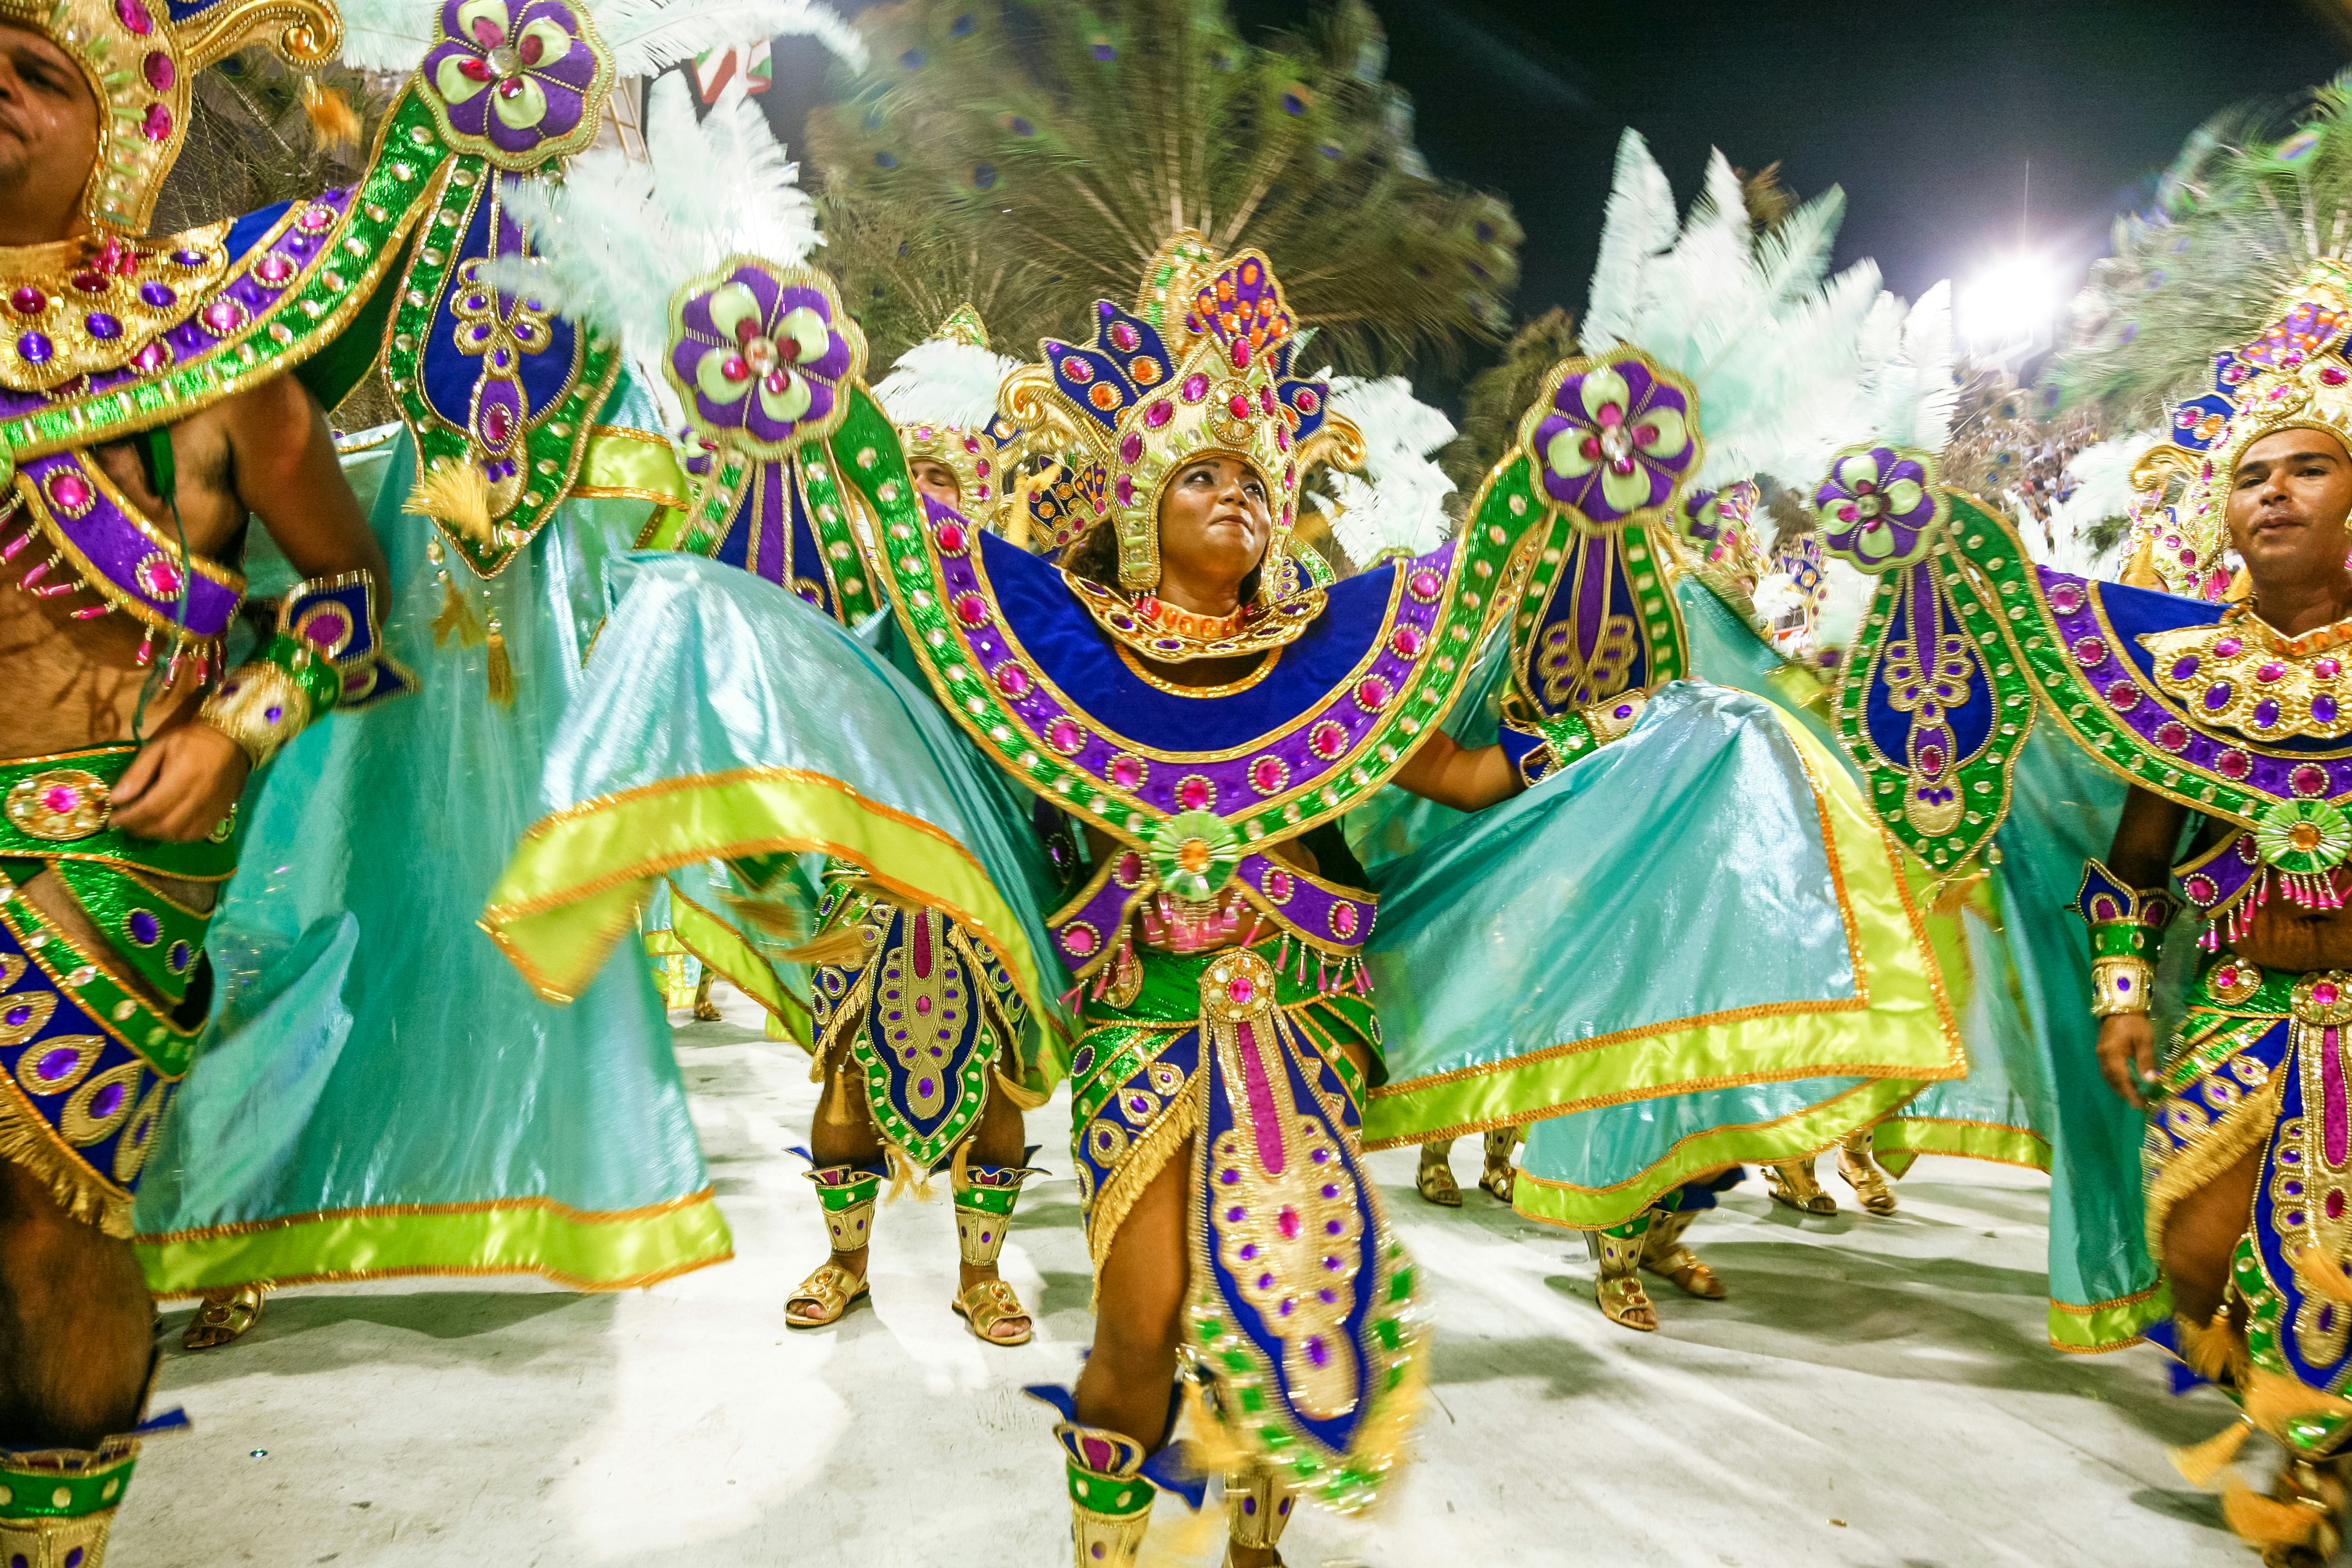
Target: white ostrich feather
[(1845, 597), (943, 382), (2103, 488), (616, 237), (1398, 502), (1776, 595), (1638, 226), (643, 35)]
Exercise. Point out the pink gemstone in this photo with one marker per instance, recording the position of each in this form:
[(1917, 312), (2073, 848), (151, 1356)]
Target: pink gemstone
[(1194, 794), (2270, 670), (1130, 449), (2090, 653), (1241, 354), (1065, 736), (153, 357), (2066, 598), (1326, 739), (1238, 990), (971, 609), (158, 577), (2201, 890), (1124, 336), (1426, 583), (69, 491), (1077, 370), (1266, 398), (1012, 680), (29, 300), (59, 799), (2323, 992), (2233, 764), (2334, 375), (274, 269), (158, 70), (951, 539), (1407, 641), (133, 14), (1371, 693), (1279, 887), (1123, 489), (2307, 780), (1238, 405), (2226, 647), (1343, 919), (2122, 696), (1157, 415), (497, 423), (1267, 775), (224, 315), (1195, 387), (156, 124), (1126, 771), (2328, 669), (1287, 1223), (2172, 736), (1078, 939)]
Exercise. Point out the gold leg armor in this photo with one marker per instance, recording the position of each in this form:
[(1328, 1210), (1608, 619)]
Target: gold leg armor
[(57, 1505), (1501, 1176), (1257, 1506), (1619, 1288), (1110, 1503), (1435, 1179)]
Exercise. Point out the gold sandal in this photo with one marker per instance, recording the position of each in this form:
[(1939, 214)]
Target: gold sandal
[(1664, 1254), (222, 1319), (833, 1288), (1434, 1180), (1501, 1178), (988, 1302), (1618, 1289), (1793, 1185), (1862, 1173), (2300, 1524)]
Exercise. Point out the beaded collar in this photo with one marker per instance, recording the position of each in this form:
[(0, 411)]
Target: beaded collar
[(2242, 674), (1160, 631), (92, 304)]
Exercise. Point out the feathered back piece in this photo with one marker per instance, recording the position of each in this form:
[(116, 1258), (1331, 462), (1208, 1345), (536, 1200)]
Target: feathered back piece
[(1395, 503), (942, 395), (1789, 363), (1031, 155), (2240, 218)]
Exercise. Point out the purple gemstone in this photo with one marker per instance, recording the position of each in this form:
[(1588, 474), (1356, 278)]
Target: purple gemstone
[(2266, 713), (2217, 697), (158, 294), (34, 348), (923, 1087), (273, 713), (1229, 1177), (1285, 1308), (2184, 667), (102, 326), (1316, 1351), (1139, 1105), (15, 1018), (189, 258), (1332, 1228), (1233, 1215), (145, 928), (56, 1063), (1249, 1251), (1322, 1156), (2323, 709), (109, 1102), (180, 956), (1330, 1190)]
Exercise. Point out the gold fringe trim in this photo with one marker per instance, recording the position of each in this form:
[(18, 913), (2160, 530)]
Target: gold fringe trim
[(841, 946), (2200, 1463), (87, 1198), (500, 672), (771, 918), (2216, 1352), (2239, 1131), (1145, 1157)]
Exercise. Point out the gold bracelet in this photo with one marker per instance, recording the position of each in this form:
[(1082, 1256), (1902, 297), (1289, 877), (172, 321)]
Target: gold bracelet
[(260, 707), (2121, 985)]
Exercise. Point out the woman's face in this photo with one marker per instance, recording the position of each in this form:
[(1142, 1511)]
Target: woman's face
[(1214, 521), (936, 481)]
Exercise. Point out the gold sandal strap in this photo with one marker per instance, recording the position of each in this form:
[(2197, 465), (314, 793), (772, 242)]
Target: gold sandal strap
[(831, 1287), (988, 1302)]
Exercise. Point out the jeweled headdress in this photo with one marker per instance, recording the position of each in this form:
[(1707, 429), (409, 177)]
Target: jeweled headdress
[(942, 395), (1139, 402), (141, 58), (2296, 375)]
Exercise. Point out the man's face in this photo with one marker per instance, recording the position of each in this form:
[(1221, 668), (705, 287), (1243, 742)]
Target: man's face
[(2288, 501), (936, 481), (48, 138)]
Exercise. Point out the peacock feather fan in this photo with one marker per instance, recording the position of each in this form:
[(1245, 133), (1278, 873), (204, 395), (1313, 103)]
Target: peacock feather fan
[(1032, 155), (2244, 210)]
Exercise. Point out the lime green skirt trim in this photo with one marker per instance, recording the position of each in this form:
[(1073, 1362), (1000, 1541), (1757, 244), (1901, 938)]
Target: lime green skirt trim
[(579, 878), (581, 1250), (2107, 1325), (1899, 1140), (1900, 1026), (1795, 1137), (721, 947)]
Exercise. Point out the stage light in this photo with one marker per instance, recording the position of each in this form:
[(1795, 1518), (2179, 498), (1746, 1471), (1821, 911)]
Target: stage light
[(2009, 304)]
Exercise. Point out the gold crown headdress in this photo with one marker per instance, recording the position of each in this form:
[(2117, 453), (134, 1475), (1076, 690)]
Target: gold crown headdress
[(141, 58), (941, 396), (1144, 398)]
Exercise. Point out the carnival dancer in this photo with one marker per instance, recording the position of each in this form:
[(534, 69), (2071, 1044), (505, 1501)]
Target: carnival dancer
[(344, 1122), (128, 494)]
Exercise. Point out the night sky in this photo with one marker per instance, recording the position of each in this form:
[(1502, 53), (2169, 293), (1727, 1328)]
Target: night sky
[(1927, 113)]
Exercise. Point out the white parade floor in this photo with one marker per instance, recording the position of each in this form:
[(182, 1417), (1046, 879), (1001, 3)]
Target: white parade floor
[(1875, 1393)]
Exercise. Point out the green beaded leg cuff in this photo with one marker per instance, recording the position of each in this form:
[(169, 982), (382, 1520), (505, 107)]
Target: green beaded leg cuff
[(1110, 1503), (1258, 1507), (983, 1209), (57, 1505), (846, 1193)]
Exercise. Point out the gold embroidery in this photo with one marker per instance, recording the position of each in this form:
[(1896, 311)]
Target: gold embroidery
[(1158, 630), (2229, 674)]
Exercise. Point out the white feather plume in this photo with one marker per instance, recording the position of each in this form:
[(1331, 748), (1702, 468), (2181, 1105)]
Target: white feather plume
[(1398, 502), (1790, 363), (944, 382), (2103, 488), (643, 35), (1845, 597), (616, 237)]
